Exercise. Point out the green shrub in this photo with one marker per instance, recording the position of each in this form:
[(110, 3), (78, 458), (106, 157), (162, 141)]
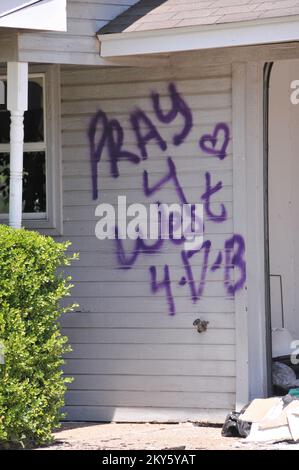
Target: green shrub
[(32, 385)]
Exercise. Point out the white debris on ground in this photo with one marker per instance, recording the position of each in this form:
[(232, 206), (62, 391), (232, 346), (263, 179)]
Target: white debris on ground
[(273, 419)]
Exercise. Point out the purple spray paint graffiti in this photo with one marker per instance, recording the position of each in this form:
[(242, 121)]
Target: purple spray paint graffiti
[(105, 133), (211, 143), (206, 198), (171, 176), (196, 293), (126, 261), (179, 107), (164, 284), (112, 135), (139, 118), (234, 260)]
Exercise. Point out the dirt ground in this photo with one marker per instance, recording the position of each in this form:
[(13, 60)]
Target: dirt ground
[(183, 436)]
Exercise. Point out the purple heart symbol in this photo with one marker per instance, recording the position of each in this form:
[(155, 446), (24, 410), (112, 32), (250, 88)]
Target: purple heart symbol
[(209, 143)]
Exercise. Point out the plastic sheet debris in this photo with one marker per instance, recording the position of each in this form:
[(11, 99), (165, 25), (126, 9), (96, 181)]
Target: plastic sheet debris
[(281, 342), (284, 376), (273, 419), (293, 422), (294, 392), (234, 427)]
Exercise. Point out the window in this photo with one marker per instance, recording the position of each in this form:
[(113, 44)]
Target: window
[(41, 167)]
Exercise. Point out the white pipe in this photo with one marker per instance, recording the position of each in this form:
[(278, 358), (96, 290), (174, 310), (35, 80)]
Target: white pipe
[(17, 103)]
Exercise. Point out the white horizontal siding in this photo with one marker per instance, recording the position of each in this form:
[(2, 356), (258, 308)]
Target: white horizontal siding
[(150, 367), (165, 351), (144, 398), (128, 353), (113, 274), (152, 383), (145, 414), (79, 45), (120, 305), (144, 335)]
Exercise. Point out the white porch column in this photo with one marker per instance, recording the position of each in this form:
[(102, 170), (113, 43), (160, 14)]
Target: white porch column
[(17, 103)]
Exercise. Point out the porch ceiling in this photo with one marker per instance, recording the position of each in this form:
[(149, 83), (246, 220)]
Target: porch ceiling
[(9, 6), (47, 15)]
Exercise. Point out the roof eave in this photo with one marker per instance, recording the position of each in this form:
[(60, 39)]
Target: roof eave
[(244, 33)]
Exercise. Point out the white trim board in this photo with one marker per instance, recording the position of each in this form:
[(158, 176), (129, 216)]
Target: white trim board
[(248, 215), (47, 15), (239, 108), (255, 234), (244, 33)]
